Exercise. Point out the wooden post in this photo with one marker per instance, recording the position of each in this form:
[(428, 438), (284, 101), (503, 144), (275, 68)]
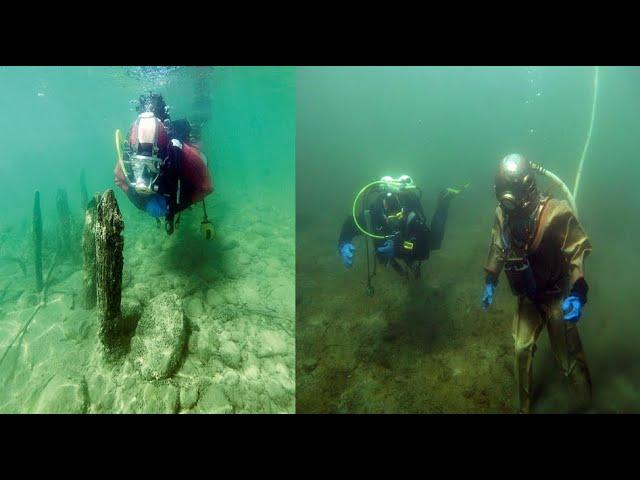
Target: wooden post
[(37, 241), (64, 224), (84, 196), (109, 262), (89, 254)]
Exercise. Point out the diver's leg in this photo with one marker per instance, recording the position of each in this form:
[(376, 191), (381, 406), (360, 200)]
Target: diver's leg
[(527, 325), (169, 224), (397, 267), (568, 351), (439, 221)]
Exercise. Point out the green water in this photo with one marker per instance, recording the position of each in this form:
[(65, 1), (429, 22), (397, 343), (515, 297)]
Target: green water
[(435, 350), (238, 355)]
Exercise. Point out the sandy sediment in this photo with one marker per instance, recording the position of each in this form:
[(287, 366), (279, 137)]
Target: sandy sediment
[(211, 324)]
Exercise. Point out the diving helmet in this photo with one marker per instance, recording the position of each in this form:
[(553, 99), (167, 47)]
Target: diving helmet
[(148, 148), (515, 185)]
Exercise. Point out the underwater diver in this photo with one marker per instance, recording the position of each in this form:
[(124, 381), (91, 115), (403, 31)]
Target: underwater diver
[(541, 246), (160, 169), (399, 224)]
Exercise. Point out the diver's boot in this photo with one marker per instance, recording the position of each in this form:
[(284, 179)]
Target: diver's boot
[(417, 271), (169, 226), (397, 267), (577, 371), (524, 375)]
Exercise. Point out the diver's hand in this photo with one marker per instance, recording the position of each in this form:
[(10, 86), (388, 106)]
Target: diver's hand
[(387, 250), (572, 308), (487, 296), (157, 206), (346, 253)]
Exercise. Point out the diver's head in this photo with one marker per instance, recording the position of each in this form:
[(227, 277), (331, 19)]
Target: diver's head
[(154, 103), (515, 186), (392, 208)]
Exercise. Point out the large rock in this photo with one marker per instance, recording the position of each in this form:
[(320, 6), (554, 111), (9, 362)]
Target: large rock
[(160, 337)]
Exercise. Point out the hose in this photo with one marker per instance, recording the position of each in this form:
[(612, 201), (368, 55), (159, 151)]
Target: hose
[(119, 151), (588, 140), (355, 215), (555, 179)]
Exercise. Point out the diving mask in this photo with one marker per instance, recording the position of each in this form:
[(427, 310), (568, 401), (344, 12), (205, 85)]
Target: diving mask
[(146, 171)]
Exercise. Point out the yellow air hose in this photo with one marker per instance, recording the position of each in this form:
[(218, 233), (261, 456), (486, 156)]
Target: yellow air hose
[(118, 138)]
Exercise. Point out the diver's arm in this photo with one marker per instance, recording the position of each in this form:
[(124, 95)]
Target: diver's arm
[(494, 263), (438, 221), (495, 257), (349, 229), (575, 248), (140, 201)]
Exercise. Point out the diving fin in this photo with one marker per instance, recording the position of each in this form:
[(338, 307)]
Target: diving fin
[(452, 192)]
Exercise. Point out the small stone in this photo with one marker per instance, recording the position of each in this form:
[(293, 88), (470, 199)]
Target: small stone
[(213, 400), (273, 343), (160, 398), (193, 342), (230, 354), (188, 397), (193, 307), (214, 298)]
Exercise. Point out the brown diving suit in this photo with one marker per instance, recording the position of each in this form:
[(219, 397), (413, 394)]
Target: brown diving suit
[(556, 252)]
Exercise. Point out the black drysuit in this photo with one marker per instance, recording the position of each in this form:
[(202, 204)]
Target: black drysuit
[(411, 230)]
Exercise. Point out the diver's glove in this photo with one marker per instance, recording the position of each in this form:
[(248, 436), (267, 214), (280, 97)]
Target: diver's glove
[(387, 250), (489, 291), (157, 206), (346, 253), (572, 305), (572, 308)]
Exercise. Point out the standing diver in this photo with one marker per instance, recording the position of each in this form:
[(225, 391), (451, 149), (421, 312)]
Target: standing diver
[(397, 224), (542, 247), (160, 169)]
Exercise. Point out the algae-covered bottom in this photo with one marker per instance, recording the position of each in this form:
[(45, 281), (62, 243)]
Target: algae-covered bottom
[(213, 323), (424, 347)]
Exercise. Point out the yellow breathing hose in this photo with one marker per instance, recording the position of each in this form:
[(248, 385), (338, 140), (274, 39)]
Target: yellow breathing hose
[(119, 151)]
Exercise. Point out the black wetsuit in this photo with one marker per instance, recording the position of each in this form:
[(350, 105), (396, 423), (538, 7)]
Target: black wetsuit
[(412, 229)]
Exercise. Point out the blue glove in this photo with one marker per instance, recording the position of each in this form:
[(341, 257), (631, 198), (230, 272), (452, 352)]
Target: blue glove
[(572, 309), (387, 249), (487, 296), (346, 252), (157, 206)]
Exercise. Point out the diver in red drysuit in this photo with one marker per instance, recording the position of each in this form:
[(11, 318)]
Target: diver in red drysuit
[(161, 171)]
